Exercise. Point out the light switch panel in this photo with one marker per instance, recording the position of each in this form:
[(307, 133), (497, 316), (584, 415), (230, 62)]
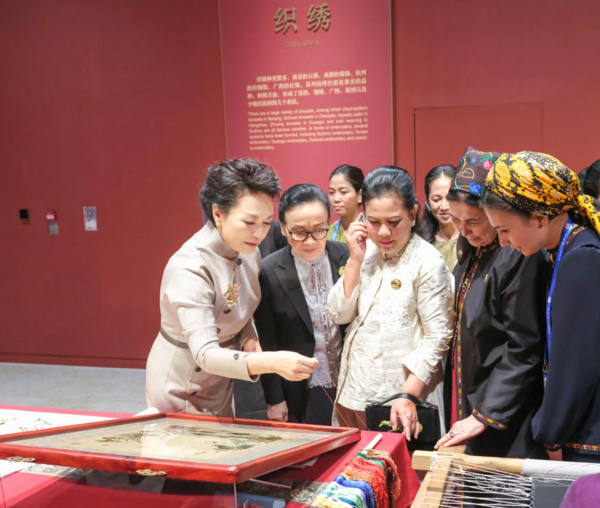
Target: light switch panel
[(89, 218)]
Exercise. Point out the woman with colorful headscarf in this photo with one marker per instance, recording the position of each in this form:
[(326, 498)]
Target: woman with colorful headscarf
[(494, 374), (534, 202)]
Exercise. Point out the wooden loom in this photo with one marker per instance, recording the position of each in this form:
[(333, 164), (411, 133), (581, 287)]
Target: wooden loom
[(512, 481)]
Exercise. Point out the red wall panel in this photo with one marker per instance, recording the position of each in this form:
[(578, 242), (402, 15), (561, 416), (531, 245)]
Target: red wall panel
[(119, 105), (441, 133), (262, 52), (110, 104), (484, 53)]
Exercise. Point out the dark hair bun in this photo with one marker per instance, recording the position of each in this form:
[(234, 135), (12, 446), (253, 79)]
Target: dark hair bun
[(231, 179), (353, 174), (387, 180)]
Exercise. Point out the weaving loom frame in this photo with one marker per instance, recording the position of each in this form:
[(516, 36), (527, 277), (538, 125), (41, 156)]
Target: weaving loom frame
[(431, 492), (443, 483)]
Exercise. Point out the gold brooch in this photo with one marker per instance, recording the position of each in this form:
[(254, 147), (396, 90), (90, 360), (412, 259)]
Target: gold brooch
[(341, 270), (396, 284), (232, 296)]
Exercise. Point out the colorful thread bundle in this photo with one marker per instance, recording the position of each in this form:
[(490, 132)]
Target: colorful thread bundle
[(370, 480)]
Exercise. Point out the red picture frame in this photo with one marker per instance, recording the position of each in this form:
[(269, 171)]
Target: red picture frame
[(15, 447)]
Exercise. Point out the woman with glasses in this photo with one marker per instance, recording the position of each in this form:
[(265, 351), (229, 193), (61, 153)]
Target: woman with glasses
[(396, 295), (292, 314)]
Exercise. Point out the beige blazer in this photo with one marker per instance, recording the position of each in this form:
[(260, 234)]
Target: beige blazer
[(196, 354), (415, 296)]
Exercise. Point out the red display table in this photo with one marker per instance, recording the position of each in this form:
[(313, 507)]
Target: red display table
[(98, 489)]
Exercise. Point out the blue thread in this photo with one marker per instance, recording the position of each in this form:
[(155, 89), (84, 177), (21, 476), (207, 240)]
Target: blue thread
[(358, 484)]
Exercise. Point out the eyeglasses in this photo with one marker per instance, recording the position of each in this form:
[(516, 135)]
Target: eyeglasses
[(300, 236)]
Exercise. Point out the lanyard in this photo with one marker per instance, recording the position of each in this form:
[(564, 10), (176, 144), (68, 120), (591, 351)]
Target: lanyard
[(337, 228), (564, 238)]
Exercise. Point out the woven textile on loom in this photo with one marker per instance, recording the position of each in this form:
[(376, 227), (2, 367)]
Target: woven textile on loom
[(370, 480)]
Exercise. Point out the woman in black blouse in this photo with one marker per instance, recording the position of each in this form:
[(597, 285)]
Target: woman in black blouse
[(534, 202), (494, 375)]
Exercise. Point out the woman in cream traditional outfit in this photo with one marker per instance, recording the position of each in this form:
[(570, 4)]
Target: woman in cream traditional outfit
[(208, 295), (396, 293)]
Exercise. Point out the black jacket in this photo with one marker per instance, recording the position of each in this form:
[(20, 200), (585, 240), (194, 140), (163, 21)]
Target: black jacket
[(502, 333), (283, 319), (570, 413)]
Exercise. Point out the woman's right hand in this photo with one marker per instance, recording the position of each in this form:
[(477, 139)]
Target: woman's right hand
[(278, 412), (293, 366), (404, 414), (356, 237)]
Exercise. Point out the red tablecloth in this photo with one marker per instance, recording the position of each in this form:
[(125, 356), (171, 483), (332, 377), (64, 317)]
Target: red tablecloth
[(329, 465), (25, 490)]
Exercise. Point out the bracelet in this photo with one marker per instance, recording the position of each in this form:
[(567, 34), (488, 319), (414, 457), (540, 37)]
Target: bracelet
[(410, 397)]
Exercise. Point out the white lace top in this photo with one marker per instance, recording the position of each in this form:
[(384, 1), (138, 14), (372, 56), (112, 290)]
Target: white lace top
[(412, 297)]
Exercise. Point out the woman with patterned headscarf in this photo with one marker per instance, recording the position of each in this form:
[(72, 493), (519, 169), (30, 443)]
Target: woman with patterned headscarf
[(493, 376), (534, 202)]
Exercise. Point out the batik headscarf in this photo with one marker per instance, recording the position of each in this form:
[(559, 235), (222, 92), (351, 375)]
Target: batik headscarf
[(472, 171), (539, 183)]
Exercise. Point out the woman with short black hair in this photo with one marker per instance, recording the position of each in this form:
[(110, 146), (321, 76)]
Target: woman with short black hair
[(208, 295), (292, 314), (345, 185)]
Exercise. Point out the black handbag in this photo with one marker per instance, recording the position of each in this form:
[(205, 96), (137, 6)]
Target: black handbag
[(378, 419)]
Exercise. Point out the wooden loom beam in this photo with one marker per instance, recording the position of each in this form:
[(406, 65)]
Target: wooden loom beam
[(425, 497), (421, 461)]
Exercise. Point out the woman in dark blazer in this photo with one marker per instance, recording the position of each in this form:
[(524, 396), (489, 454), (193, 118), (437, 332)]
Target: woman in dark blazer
[(292, 315)]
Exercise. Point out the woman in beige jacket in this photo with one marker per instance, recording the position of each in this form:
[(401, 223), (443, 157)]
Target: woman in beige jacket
[(208, 295)]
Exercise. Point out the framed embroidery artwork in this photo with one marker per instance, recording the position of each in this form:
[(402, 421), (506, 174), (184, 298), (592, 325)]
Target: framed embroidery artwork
[(202, 448)]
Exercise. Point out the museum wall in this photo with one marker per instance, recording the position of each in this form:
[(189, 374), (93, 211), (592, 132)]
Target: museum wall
[(502, 76), (107, 103), (119, 105)]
